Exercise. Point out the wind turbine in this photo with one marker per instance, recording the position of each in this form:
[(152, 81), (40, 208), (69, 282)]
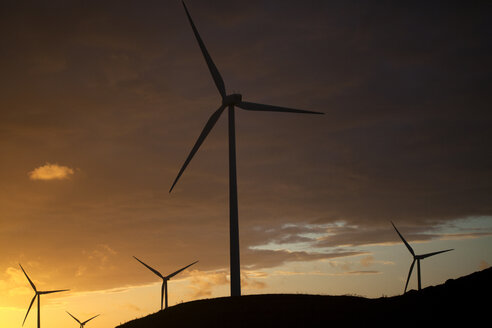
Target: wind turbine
[(82, 324), (164, 278), (38, 295), (230, 101), (416, 258)]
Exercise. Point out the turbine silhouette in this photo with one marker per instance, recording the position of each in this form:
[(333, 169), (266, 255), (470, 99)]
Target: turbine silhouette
[(230, 101), (82, 324), (416, 258), (164, 278), (38, 294)]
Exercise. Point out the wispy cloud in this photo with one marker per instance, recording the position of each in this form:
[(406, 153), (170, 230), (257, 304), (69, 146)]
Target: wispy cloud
[(249, 283), (300, 273), (362, 272), (483, 265), (319, 273), (14, 282), (130, 307), (203, 282), (367, 261), (461, 236), (51, 172), (101, 254)]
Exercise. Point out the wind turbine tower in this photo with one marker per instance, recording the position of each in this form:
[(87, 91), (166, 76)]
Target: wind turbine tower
[(164, 278), (229, 101), (38, 294), (416, 258)]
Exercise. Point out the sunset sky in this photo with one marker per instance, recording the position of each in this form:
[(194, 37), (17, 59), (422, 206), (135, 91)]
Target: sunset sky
[(101, 102)]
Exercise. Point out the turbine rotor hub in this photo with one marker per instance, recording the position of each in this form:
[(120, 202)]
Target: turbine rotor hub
[(232, 99)]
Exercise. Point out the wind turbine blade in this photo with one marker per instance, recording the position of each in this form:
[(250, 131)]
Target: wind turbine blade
[(423, 256), (404, 241), (269, 108), (74, 317), (53, 291), (29, 309), (86, 321), (151, 269), (32, 284), (175, 273), (208, 127), (409, 274), (219, 82)]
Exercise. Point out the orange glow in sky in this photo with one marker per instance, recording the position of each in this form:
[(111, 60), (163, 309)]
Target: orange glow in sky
[(101, 102)]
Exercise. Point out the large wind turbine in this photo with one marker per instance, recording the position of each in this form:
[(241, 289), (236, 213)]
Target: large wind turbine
[(416, 258), (38, 295), (82, 324), (164, 278), (230, 101)]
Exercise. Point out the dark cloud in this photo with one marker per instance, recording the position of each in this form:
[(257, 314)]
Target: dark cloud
[(118, 91)]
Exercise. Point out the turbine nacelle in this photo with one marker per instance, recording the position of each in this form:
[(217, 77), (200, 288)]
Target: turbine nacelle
[(232, 99), (37, 294), (165, 279), (416, 258)]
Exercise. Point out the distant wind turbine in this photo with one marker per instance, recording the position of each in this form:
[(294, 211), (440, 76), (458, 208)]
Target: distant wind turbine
[(230, 101), (82, 324), (164, 278), (38, 295), (416, 258)]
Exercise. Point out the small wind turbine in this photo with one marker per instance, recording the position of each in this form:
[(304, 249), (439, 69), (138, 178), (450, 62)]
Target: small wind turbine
[(38, 295), (229, 101), (82, 324), (164, 279), (416, 258)]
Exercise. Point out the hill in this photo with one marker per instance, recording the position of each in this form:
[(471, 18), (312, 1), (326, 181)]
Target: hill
[(458, 302)]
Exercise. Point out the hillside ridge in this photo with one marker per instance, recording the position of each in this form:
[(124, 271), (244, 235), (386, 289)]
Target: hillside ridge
[(457, 300)]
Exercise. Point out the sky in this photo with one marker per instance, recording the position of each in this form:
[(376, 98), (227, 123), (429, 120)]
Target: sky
[(101, 102)]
